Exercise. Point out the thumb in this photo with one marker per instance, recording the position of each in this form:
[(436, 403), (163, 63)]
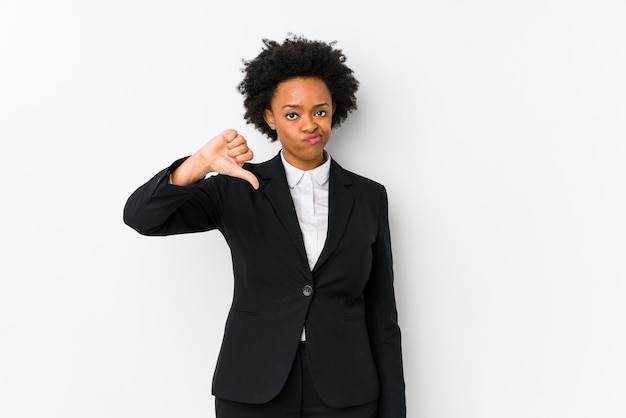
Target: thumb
[(246, 175)]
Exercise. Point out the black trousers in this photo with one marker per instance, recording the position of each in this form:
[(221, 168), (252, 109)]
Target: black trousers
[(298, 399)]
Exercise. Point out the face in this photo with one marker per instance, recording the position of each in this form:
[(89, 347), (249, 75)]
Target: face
[(301, 114)]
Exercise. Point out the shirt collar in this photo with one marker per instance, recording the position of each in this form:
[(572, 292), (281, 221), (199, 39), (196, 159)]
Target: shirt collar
[(294, 175)]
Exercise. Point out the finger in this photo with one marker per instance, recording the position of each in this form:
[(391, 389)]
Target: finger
[(236, 141), (237, 151), (247, 176), (246, 156), (230, 134)]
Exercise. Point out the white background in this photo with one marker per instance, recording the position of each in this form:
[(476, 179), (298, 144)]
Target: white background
[(499, 129)]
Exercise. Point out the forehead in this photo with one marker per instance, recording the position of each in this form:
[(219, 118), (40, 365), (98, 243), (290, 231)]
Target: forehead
[(300, 91)]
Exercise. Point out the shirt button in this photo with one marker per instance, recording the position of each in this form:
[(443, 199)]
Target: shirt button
[(307, 290)]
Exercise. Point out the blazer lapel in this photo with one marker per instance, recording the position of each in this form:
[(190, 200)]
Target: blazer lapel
[(340, 202), (276, 190)]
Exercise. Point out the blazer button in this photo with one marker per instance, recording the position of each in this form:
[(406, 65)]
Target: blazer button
[(307, 290)]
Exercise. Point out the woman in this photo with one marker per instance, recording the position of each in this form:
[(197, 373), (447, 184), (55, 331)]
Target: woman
[(312, 331)]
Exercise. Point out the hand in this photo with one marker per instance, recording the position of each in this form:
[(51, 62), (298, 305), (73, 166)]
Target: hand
[(224, 154)]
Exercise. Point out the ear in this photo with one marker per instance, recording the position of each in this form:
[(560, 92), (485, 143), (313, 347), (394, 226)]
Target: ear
[(269, 119)]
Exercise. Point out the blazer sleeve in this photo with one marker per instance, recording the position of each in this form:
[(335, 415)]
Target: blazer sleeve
[(382, 322), (161, 208)]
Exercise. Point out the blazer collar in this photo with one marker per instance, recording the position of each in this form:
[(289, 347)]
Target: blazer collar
[(340, 201), (294, 175)]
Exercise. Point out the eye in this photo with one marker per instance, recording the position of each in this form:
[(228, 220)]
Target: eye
[(291, 116), (321, 113)]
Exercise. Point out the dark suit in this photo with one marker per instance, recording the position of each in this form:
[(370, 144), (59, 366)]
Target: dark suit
[(346, 302)]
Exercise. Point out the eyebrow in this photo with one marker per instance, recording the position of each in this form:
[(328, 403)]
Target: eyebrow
[(300, 107)]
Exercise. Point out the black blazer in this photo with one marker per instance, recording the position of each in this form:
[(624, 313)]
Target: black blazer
[(346, 302)]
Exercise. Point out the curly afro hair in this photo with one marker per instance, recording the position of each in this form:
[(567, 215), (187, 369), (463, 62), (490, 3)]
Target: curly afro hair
[(296, 57)]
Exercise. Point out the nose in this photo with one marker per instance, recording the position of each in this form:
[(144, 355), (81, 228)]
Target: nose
[(308, 123)]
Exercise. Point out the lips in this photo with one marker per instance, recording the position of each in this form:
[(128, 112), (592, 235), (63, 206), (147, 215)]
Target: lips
[(313, 139)]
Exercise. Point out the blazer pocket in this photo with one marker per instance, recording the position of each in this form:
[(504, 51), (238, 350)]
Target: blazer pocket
[(246, 312), (354, 318)]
